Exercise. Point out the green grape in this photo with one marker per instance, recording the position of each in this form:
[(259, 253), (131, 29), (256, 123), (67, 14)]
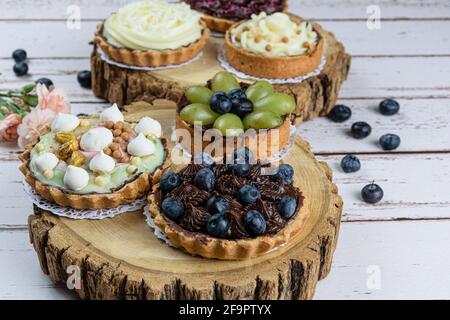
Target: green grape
[(199, 94), (224, 81), (262, 120), (259, 90), (198, 112), (229, 125), (279, 103)]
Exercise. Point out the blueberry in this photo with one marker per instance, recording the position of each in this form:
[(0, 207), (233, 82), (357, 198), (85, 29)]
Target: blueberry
[(284, 170), (242, 155), (169, 181), (19, 55), (389, 141), (350, 163), (287, 206), (172, 207), (248, 194), (84, 79), (361, 130), (204, 159), (217, 204), (45, 81), (255, 223), (389, 107), (220, 102), (218, 226), (241, 169), (20, 69), (241, 106), (372, 193), (237, 94), (340, 113), (204, 179)]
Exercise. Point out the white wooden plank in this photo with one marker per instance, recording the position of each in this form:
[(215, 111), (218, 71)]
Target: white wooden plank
[(422, 124), (49, 38), (20, 274), (413, 259), (370, 77), (411, 256), (322, 9), (415, 186)]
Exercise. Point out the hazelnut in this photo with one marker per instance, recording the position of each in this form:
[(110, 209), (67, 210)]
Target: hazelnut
[(125, 136), (298, 32), (109, 124), (118, 125), (127, 129), (285, 39), (48, 174), (245, 29), (237, 38), (107, 151), (117, 154), (257, 39), (114, 146), (117, 132), (125, 159), (118, 139), (268, 48)]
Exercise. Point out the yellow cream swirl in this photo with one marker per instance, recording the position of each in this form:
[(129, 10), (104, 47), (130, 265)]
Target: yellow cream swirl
[(275, 35), (153, 24)]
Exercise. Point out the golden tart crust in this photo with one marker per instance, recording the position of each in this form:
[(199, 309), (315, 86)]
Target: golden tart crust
[(215, 248), (129, 192), (274, 144), (151, 58), (280, 67)]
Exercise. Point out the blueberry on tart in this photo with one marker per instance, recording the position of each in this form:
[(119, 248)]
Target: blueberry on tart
[(275, 46), (225, 114), (152, 33), (95, 162), (222, 213), (220, 15)]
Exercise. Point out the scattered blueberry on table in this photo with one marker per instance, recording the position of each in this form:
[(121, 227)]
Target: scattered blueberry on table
[(20, 68), (372, 193), (360, 130), (389, 107), (84, 79), (350, 163), (340, 113), (389, 141), (19, 55), (45, 81)]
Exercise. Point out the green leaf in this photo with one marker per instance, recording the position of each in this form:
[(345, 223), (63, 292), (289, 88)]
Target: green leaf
[(28, 88), (31, 100)]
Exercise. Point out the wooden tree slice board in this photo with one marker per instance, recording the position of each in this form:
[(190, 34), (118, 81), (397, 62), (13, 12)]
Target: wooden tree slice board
[(121, 258), (315, 96)]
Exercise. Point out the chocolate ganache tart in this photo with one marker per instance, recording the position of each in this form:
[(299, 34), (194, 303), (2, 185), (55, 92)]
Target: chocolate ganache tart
[(228, 211)]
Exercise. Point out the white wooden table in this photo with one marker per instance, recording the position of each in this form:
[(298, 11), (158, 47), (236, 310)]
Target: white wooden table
[(399, 248)]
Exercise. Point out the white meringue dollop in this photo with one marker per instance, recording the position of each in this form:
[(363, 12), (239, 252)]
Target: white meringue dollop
[(148, 126), (96, 139), (65, 122), (112, 114), (76, 178), (141, 146), (46, 161), (102, 163)]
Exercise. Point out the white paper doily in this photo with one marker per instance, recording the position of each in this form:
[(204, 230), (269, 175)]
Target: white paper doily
[(224, 63), (81, 214), (106, 58), (158, 232)]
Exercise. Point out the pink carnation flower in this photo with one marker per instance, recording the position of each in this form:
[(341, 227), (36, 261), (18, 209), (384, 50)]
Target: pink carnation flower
[(33, 125), (8, 127), (56, 100)]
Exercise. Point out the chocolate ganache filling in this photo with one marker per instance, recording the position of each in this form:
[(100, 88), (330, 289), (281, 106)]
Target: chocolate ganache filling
[(224, 202), (236, 9)]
